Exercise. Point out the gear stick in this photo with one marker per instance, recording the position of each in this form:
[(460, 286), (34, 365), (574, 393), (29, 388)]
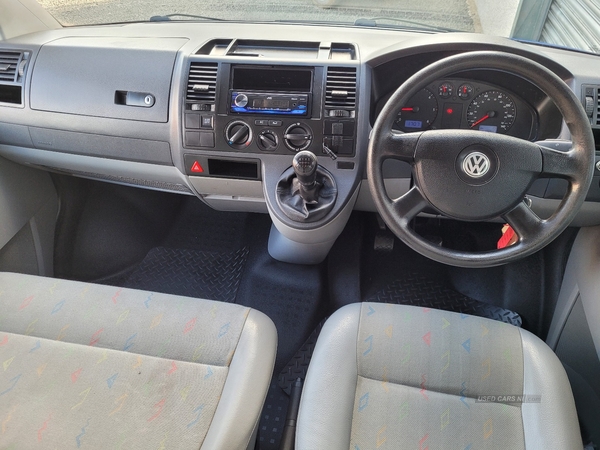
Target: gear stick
[(305, 167), (306, 192)]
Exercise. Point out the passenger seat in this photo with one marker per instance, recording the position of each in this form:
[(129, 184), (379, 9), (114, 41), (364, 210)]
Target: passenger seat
[(92, 366)]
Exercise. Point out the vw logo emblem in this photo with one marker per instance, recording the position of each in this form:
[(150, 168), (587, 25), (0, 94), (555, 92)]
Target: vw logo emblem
[(476, 164)]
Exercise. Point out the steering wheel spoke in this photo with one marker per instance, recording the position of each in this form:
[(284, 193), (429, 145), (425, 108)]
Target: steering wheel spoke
[(558, 163), (400, 146), (524, 221), (409, 205)]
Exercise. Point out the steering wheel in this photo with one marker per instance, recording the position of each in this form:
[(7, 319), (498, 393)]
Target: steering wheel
[(473, 175)]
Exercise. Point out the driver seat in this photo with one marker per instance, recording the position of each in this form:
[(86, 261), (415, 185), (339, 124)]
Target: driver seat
[(388, 376)]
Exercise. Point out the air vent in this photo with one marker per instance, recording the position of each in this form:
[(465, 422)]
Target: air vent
[(12, 75), (341, 88), (9, 61), (591, 103), (598, 106), (202, 82)]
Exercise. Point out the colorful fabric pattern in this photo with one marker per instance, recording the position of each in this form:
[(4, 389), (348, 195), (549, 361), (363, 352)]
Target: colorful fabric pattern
[(421, 372), (89, 366)]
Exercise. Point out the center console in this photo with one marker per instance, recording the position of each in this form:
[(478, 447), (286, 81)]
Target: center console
[(244, 120), (270, 109)]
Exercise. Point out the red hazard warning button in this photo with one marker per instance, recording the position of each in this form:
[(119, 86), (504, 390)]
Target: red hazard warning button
[(197, 168)]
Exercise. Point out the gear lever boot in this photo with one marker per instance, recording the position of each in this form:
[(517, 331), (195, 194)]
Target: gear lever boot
[(306, 191)]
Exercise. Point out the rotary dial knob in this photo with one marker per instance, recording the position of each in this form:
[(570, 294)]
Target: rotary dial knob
[(241, 100), (238, 134), (298, 137), (267, 140)]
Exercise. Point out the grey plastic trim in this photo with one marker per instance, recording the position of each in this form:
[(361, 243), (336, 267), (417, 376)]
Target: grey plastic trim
[(43, 226), (236, 204), (102, 167), (285, 250), (564, 306), (23, 192), (28, 198), (15, 135), (588, 215), (326, 233), (141, 64), (395, 187), (229, 187), (230, 194), (576, 348), (296, 246), (581, 280), (103, 146)]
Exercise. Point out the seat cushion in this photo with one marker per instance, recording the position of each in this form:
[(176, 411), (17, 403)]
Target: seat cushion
[(91, 366), (395, 376)]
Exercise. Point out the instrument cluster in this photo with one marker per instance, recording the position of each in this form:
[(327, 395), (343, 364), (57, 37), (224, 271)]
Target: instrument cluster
[(467, 104)]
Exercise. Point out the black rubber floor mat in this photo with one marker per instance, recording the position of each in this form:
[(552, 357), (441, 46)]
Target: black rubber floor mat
[(272, 421), (274, 412), (298, 366), (193, 273), (198, 227), (418, 290)]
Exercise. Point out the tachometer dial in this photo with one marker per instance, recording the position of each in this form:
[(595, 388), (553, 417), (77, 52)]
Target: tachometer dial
[(492, 111), (419, 113)]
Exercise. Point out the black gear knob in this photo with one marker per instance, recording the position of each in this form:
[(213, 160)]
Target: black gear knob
[(305, 166)]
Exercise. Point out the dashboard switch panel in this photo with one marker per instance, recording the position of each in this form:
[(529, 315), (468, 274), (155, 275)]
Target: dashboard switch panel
[(270, 109)]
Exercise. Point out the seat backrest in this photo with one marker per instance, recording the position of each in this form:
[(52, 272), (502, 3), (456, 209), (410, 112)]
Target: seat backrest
[(419, 377)]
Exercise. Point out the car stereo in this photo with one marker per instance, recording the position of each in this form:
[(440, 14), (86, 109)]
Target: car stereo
[(269, 103), (270, 90)]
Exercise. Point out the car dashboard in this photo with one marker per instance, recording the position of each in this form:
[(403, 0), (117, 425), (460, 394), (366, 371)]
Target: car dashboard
[(218, 110)]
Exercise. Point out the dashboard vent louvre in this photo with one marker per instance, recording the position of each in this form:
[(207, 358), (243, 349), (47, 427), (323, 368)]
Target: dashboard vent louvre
[(598, 106), (202, 82), (9, 61), (340, 91)]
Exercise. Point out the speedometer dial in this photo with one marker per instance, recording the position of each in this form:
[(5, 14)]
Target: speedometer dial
[(492, 111), (419, 113)]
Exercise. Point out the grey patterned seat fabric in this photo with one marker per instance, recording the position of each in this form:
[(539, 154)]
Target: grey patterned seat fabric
[(393, 376), (90, 366)]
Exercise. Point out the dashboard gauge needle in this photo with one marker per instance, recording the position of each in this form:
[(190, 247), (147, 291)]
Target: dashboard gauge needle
[(487, 116), (410, 109)]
